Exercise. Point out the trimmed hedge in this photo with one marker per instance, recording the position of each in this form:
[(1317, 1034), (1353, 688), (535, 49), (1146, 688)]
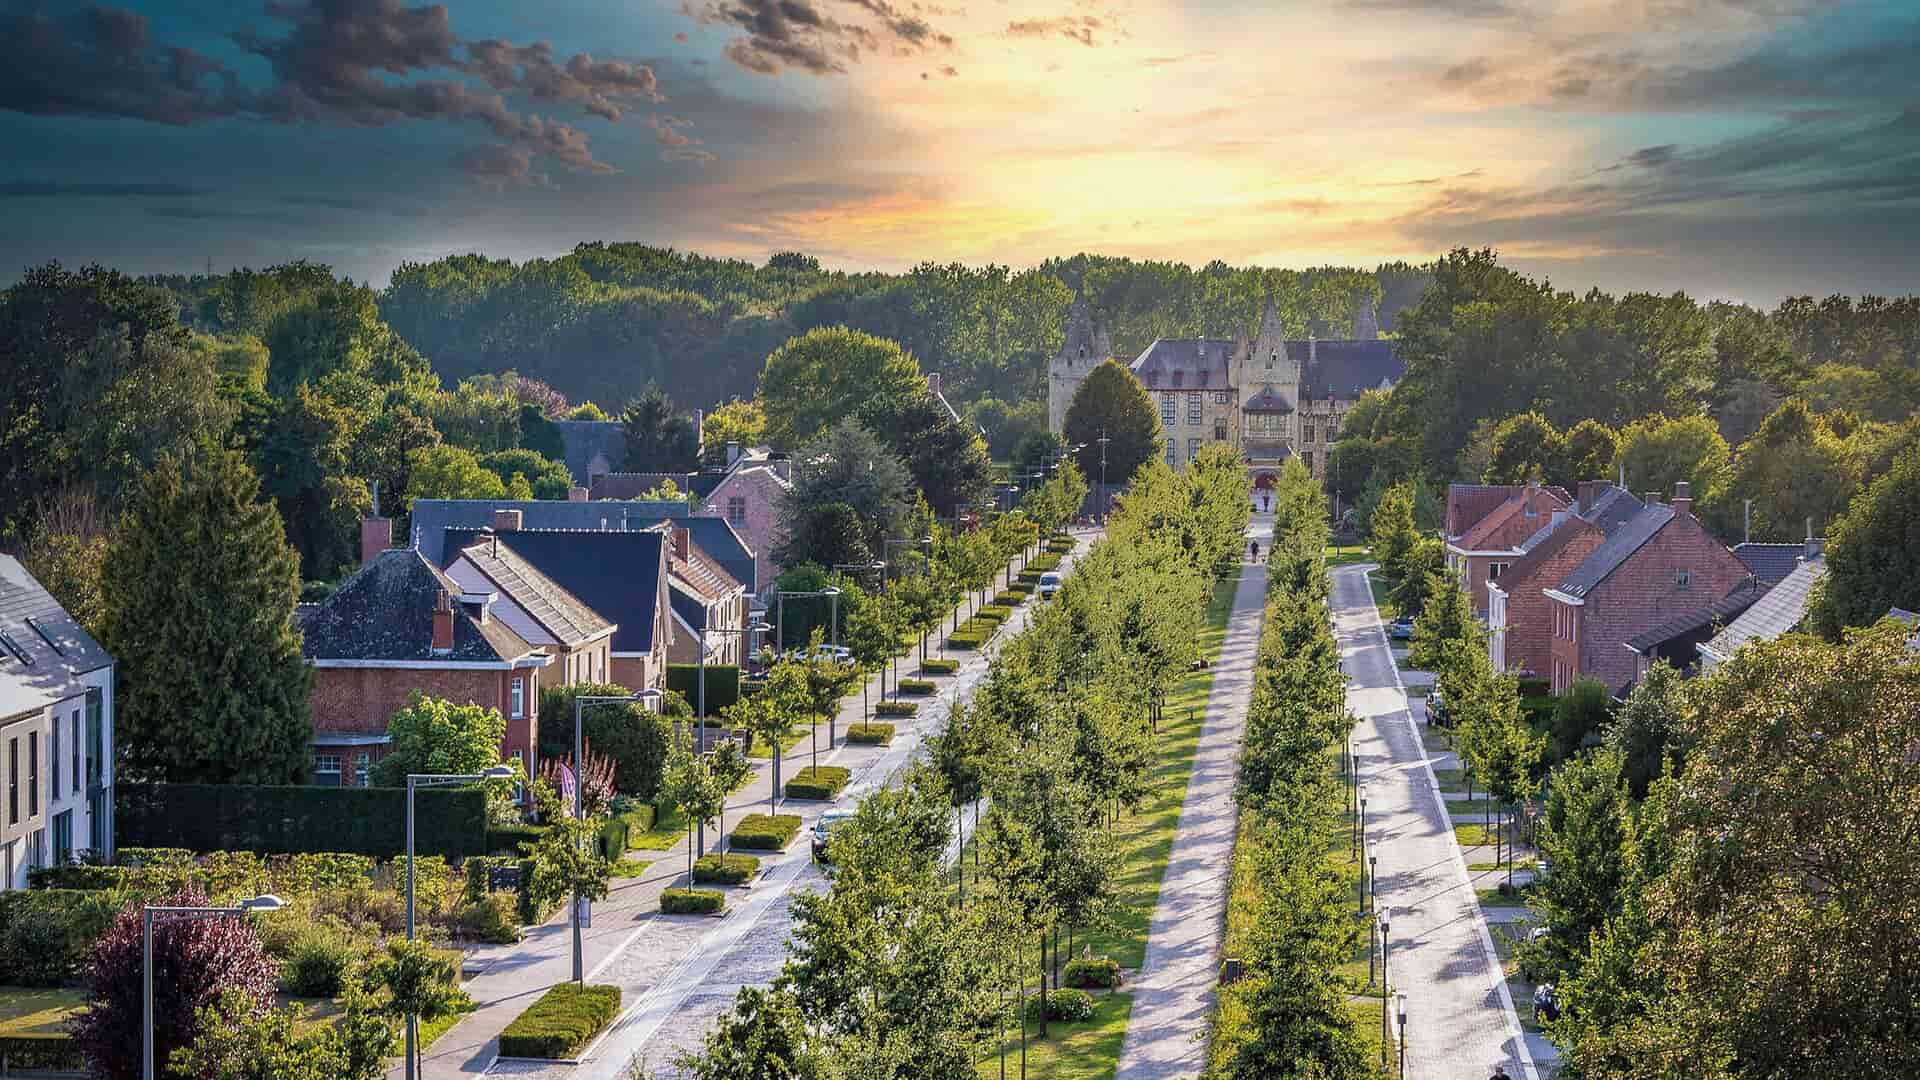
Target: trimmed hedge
[(870, 734), (506, 839), (939, 667), (51, 1053), (1010, 599), (296, 818), (818, 782), (1068, 1005), (765, 832), (45, 934), (914, 686), (81, 877), (727, 869), (617, 834), (1059, 546), (1044, 563), (692, 902), (1093, 971), (561, 1023), (966, 641), (998, 613), (723, 685), (896, 708)]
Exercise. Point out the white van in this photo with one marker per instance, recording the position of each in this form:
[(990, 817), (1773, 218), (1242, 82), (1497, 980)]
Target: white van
[(1049, 584)]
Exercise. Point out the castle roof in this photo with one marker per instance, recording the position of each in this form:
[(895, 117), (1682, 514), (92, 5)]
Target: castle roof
[(1343, 370), (1185, 364), (1268, 400)]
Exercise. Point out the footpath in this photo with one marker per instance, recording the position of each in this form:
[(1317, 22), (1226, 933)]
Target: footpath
[(666, 965)]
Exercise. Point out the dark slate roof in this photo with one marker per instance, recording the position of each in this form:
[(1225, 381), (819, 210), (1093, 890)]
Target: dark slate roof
[(1268, 400), (689, 607), (1770, 563), (1613, 508), (1617, 549), (54, 662), (717, 539), (385, 612), (1717, 613), (614, 572), (432, 517), (1185, 364), (580, 440), (1344, 369), (632, 485), (563, 614), (1774, 614)]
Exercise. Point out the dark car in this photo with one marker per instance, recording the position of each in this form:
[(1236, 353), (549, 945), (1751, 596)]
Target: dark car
[(823, 829), (1401, 629)]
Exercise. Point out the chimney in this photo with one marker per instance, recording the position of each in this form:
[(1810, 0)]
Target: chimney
[(506, 521), (376, 536), (1313, 348), (576, 494), (489, 539), (1683, 498), (1814, 545), (1652, 498), (733, 453), (681, 540), (1585, 492), (442, 623)]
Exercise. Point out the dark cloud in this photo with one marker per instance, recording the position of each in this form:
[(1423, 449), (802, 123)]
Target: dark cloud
[(1467, 72), (104, 62), (500, 166), (1652, 157), (1081, 28), (596, 86), (781, 35), (25, 189)]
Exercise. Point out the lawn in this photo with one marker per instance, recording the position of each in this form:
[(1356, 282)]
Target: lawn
[(1473, 835), (1380, 590), (1338, 555), (1451, 779), (630, 868), (1084, 1051), (1492, 897), (1366, 1022), (36, 1011)]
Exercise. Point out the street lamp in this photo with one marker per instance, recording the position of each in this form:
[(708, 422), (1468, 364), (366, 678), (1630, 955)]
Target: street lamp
[(416, 781), (1401, 1001), (758, 626), (268, 902), (1105, 499), (579, 801), (887, 546), (780, 611), (1386, 986)]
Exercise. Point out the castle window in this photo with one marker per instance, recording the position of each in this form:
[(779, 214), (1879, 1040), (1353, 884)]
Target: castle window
[(1173, 452), (1194, 409), (1307, 459), (1272, 358), (1083, 352), (1193, 449), (1220, 429), (1166, 408), (1307, 436), (1220, 397)]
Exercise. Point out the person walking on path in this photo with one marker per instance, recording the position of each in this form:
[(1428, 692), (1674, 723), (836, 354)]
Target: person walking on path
[(1253, 551)]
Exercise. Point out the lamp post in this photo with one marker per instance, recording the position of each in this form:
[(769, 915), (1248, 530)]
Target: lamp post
[(1373, 879), (1105, 499), (416, 781), (147, 919), (1400, 1000), (780, 611), (1386, 987), (887, 546), (579, 803)]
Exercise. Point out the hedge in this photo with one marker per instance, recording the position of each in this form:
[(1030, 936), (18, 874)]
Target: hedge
[(506, 839), (1044, 563), (75, 876), (561, 1023), (279, 819), (818, 782), (727, 869), (870, 734), (1093, 971), (50, 1053), (1010, 599), (765, 832), (1068, 1005), (617, 834), (896, 708), (995, 612), (939, 667), (966, 640), (914, 686), (46, 934), (723, 685), (1059, 546), (692, 902)]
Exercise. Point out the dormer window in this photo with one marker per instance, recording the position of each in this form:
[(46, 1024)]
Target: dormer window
[(1272, 358)]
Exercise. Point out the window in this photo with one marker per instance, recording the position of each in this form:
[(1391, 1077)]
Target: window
[(76, 751), (1194, 406), (363, 769), (519, 700), (520, 767), (737, 509), (1220, 429), (326, 768), (13, 781), (63, 837), (1220, 397), (1307, 460), (1333, 426), (1496, 570), (1193, 449), (96, 739), (1173, 451), (1167, 406), (1682, 579), (1306, 433), (53, 757), (1272, 357), (33, 773)]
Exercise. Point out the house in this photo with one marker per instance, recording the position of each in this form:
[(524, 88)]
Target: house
[(1780, 611), (619, 573), (401, 625), (1677, 641), (750, 499), (538, 609), (1655, 566), (1489, 546), (705, 600), (1771, 563), (56, 719), (1519, 616)]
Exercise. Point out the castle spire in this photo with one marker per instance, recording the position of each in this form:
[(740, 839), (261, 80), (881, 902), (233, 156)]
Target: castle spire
[(1366, 322)]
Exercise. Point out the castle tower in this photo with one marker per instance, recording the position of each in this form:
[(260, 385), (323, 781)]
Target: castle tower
[(1086, 346), (1269, 363), (1366, 322)]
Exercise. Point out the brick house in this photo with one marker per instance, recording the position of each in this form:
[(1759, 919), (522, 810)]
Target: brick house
[(1659, 564), (1519, 615), (703, 596), (1491, 545), (400, 625), (539, 610), (749, 500), (56, 730)]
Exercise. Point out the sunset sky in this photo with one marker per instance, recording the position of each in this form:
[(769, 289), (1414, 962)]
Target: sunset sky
[(1746, 149)]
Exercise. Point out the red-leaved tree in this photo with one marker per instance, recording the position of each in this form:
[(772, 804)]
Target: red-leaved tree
[(194, 960)]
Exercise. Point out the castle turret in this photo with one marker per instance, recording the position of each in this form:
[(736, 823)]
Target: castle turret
[(1084, 347), (1269, 362), (1366, 322)]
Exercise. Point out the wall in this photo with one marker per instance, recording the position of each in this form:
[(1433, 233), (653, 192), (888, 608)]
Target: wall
[(361, 701), (1529, 642), (1642, 593), (761, 529)]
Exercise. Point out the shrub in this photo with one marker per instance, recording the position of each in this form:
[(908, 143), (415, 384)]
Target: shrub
[(994, 613), (635, 737), (1535, 687), (692, 901), (765, 832), (939, 667), (1067, 1004), (1060, 545), (727, 869), (870, 734), (616, 836), (562, 1022), (1044, 562), (74, 876), (45, 934), (297, 818), (1010, 598), (966, 641), (49, 1053), (1093, 971), (506, 839), (915, 686), (895, 708), (723, 685), (318, 962), (1030, 579), (818, 782), (493, 919)]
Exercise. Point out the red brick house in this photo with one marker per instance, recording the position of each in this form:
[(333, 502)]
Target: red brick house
[(1659, 564), (539, 610), (1491, 545), (1519, 615), (705, 600), (398, 626)]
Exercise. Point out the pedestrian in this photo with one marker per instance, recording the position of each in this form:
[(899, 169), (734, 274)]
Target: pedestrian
[(1253, 551), (1499, 1073)]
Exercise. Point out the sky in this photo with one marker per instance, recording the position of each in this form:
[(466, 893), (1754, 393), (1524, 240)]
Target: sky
[(1737, 149)]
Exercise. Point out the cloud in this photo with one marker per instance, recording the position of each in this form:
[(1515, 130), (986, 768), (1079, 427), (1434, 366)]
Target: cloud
[(104, 62), (595, 85), (1456, 9), (500, 166), (26, 189), (797, 35), (675, 143), (1080, 28)]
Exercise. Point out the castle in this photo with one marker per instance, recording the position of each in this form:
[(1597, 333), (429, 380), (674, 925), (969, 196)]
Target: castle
[(1269, 397)]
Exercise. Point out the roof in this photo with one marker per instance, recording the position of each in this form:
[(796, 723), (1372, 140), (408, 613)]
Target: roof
[(558, 611), (615, 572), (717, 541), (1616, 549), (1485, 533), (1186, 364), (432, 517), (1770, 563), (56, 650), (1612, 508), (1739, 599), (385, 612), (1345, 369), (582, 440), (632, 485), (1268, 400), (687, 604), (1468, 503), (1774, 614)]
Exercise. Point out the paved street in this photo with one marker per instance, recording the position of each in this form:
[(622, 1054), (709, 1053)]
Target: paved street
[(1461, 1020), (1173, 996)]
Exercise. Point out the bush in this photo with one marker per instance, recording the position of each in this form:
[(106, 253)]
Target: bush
[(493, 919), (48, 1053), (1093, 971), (728, 869), (1068, 1004), (1535, 687), (74, 876), (818, 782), (723, 685), (895, 708), (562, 1022), (966, 641), (45, 934), (634, 737), (318, 962), (765, 832), (692, 902), (616, 836), (1019, 589), (993, 613), (914, 686), (1044, 563), (1010, 598), (174, 857), (1060, 545), (297, 818), (939, 667), (506, 839), (870, 734)]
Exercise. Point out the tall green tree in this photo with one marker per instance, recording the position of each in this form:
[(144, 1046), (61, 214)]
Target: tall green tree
[(1873, 553), (849, 464), (1111, 404), (1648, 733), (1391, 531), (948, 459), (1526, 447), (199, 590), (660, 438), (828, 375), (1796, 471), (1656, 453), (434, 735), (1584, 837)]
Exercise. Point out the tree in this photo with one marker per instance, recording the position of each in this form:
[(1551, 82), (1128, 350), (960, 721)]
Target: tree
[(199, 588), (421, 982), (449, 472), (825, 534), (1657, 453), (872, 635), (828, 375), (1035, 453), (660, 438), (1648, 733), (434, 735), (1446, 627), (736, 423), (772, 715), (1111, 403), (1391, 531), (634, 737), (1426, 572), (1580, 714), (729, 765), (849, 464), (1873, 554), (240, 1042), (1591, 449), (565, 859), (764, 1035), (690, 787), (1583, 836), (1526, 447), (547, 478), (67, 553), (948, 460), (1796, 471), (195, 961)]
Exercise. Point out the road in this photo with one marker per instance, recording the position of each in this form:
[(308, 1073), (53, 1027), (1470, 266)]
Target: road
[(1461, 1020)]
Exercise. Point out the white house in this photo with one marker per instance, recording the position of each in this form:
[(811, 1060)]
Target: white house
[(56, 732)]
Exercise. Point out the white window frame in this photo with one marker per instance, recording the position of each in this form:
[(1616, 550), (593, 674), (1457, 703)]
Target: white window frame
[(320, 761), (737, 509), (1196, 409), (518, 698)]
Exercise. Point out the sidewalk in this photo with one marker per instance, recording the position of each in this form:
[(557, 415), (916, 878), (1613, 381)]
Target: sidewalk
[(630, 944)]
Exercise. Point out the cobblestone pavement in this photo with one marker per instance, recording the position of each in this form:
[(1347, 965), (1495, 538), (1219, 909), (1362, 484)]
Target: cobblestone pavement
[(1461, 1020), (677, 973)]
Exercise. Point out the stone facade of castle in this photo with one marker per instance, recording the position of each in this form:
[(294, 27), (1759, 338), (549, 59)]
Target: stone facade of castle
[(1268, 397)]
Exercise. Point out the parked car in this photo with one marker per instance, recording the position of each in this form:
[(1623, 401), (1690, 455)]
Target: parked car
[(838, 654), (1437, 715), (1401, 629), (823, 828), (1049, 584)]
